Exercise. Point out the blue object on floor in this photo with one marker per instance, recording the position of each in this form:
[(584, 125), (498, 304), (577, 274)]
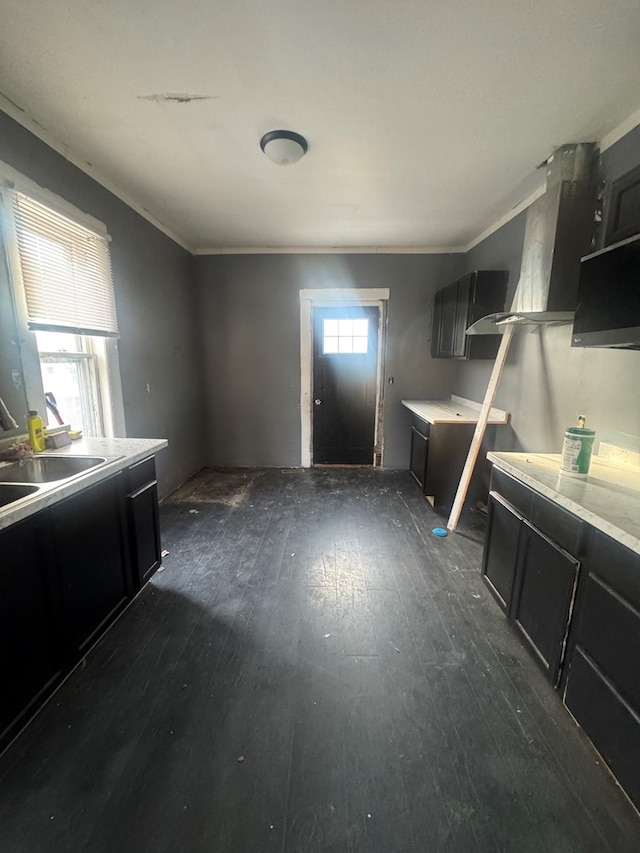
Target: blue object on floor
[(439, 531)]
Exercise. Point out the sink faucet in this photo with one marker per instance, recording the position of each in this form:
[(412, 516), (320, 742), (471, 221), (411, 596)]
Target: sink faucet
[(6, 420)]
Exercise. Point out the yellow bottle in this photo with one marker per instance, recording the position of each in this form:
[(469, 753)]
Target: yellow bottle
[(36, 431)]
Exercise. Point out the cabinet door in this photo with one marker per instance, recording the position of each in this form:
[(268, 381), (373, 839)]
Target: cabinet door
[(437, 324), (623, 218), (501, 550), (448, 320), (463, 298), (543, 600), (32, 652), (603, 683), (419, 451), (487, 295), (88, 534), (144, 532)]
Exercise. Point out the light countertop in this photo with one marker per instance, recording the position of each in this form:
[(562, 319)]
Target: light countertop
[(608, 499), (119, 453), (455, 410)]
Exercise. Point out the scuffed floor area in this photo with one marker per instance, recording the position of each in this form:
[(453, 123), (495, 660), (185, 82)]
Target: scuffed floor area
[(311, 670)]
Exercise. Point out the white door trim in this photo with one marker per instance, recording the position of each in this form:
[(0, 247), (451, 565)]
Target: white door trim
[(327, 298)]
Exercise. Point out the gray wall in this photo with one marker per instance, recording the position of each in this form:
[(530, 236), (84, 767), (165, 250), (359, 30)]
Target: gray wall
[(218, 338), (155, 297), (250, 316), (547, 383)]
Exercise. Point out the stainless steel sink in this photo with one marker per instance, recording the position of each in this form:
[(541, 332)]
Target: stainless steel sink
[(9, 493), (48, 469)]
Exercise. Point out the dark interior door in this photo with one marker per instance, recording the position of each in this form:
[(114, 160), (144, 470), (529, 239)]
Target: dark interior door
[(345, 366)]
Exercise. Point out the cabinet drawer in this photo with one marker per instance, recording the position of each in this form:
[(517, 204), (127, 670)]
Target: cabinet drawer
[(561, 526), (609, 632), (421, 426), (615, 564), (516, 493), (140, 474)]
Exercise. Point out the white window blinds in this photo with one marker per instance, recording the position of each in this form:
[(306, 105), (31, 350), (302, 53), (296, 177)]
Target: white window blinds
[(66, 271)]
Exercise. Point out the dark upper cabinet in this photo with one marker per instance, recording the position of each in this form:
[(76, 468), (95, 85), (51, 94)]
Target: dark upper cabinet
[(32, 647), (89, 530), (460, 304), (623, 218)]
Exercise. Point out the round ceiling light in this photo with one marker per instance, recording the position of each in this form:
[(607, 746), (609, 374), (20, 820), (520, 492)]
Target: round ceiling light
[(284, 147)]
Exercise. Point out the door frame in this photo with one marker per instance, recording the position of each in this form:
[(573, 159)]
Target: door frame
[(335, 297)]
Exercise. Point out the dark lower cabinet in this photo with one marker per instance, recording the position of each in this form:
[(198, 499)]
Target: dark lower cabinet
[(532, 578), (437, 458), (602, 688), (419, 452), (573, 595), (32, 643), (542, 603), (91, 559), (143, 520), (65, 575)]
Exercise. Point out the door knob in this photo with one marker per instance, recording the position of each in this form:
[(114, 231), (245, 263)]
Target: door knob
[(317, 402)]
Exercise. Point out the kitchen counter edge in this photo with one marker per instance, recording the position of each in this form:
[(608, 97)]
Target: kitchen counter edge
[(456, 410), (609, 499), (120, 454)]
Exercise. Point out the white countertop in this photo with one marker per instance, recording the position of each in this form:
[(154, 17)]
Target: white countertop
[(119, 452), (455, 410), (608, 499)]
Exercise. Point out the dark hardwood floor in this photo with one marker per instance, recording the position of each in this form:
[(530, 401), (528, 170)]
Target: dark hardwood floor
[(312, 670)]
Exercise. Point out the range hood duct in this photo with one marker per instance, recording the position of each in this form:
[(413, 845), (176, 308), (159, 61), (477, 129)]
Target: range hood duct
[(558, 232)]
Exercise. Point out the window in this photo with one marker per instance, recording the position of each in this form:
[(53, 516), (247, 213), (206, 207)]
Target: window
[(70, 379), (345, 336), (61, 271)]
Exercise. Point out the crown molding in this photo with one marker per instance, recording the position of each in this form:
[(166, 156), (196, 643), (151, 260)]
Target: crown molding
[(332, 250), (18, 114), (615, 135)]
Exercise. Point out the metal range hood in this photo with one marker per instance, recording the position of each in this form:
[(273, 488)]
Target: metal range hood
[(558, 232)]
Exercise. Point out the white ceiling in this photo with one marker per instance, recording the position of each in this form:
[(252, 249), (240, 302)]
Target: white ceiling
[(425, 118)]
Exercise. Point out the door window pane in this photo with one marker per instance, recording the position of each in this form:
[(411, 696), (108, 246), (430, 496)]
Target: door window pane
[(330, 345), (346, 336)]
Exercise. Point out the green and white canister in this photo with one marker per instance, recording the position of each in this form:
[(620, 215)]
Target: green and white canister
[(576, 450)]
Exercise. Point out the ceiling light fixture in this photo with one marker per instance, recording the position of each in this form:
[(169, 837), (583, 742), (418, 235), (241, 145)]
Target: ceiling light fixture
[(284, 147)]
